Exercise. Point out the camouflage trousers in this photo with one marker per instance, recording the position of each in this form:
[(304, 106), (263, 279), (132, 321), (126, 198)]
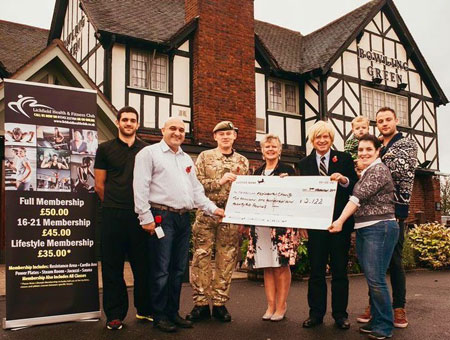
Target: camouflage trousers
[(206, 233)]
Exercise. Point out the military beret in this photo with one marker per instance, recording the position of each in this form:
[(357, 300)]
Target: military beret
[(224, 126)]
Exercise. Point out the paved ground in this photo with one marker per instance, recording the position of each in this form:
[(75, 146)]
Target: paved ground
[(428, 308)]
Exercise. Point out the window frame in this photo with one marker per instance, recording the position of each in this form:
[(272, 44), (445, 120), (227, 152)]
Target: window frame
[(283, 96), (151, 57), (403, 117)]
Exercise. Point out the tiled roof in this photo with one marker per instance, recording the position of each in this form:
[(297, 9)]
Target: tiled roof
[(284, 45), (19, 43), (151, 20), (320, 46)]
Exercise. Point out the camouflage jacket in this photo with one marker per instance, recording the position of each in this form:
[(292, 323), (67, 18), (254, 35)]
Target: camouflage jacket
[(211, 165), (351, 146)]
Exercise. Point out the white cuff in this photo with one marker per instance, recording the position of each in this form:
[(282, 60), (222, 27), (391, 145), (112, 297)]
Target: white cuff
[(355, 200)]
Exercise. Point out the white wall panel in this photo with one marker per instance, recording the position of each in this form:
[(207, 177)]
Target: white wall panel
[(377, 43), (134, 100), (337, 66), (425, 91), (415, 82), (100, 64), (389, 48), (91, 72), (364, 43), (185, 46), (181, 80), (294, 131), (276, 126), (260, 93), (164, 110), (149, 120), (350, 64), (377, 20), (118, 76)]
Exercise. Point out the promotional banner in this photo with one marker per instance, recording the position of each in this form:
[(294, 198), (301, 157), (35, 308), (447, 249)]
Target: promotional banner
[(50, 145), (295, 202)]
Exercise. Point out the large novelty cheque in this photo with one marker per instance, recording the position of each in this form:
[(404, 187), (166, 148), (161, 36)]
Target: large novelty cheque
[(295, 202)]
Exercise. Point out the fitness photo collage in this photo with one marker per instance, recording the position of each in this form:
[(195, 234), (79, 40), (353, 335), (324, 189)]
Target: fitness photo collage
[(49, 158)]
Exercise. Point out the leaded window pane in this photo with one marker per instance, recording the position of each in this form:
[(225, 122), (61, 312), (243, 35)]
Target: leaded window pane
[(290, 98), (275, 96), (139, 69), (159, 73)]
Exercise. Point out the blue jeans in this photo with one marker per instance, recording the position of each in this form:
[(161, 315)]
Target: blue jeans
[(168, 259), (374, 247)]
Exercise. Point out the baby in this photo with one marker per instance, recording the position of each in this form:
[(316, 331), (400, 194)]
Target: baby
[(360, 127)]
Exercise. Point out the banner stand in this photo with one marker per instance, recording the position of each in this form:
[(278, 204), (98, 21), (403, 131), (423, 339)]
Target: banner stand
[(25, 323)]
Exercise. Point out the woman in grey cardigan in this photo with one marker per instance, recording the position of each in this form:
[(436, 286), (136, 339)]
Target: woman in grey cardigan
[(372, 204)]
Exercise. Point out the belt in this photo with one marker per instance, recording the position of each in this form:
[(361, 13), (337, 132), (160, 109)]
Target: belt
[(166, 208)]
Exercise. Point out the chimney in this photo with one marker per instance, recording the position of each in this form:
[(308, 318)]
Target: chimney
[(224, 68)]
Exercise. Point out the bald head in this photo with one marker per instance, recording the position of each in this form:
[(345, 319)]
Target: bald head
[(173, 133), (173, 121)]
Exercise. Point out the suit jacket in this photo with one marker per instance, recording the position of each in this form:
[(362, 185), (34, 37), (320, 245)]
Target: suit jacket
[(339, 162)]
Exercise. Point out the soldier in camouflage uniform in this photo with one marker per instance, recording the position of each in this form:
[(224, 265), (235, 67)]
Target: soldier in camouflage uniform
[(216, 170)]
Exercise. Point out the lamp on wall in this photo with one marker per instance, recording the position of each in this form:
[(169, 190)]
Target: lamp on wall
[(377, 80), (402, 86)]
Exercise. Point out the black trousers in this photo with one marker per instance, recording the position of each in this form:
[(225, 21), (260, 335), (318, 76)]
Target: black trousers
[(121, 236), (397, 272), (324, 248)]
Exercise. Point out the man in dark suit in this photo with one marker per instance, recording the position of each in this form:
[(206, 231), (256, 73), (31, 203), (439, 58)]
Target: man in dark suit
[(322, 245)]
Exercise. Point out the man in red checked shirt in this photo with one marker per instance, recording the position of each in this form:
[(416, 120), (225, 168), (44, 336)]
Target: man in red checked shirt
[(216, 170)]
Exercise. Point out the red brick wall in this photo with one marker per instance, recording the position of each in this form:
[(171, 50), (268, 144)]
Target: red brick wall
[(224, 68), (426, 193)]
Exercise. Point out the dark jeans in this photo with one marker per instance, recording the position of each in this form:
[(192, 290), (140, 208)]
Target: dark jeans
[(168, 258), (374, 247), (397, 272), (323, 246), (121, 236)]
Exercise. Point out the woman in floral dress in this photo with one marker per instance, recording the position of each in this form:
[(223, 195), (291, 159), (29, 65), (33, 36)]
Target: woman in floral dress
[(273, 249)]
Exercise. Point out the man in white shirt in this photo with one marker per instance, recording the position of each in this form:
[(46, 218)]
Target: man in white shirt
[(166, 188)]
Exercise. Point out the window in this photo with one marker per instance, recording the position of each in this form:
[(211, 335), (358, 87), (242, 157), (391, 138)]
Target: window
[(149, 70), (373, 100), (283, 96)]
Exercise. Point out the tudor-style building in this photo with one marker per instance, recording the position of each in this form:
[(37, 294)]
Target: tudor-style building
[(207, 61)]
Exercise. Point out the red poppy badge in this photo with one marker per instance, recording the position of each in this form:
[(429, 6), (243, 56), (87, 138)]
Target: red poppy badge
[(188, 169), (334, 159), (238, 169)]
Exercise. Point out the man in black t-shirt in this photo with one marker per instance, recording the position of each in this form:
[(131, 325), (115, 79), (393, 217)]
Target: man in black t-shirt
[(121, 233)]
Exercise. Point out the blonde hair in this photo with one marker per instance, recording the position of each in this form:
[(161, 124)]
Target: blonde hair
[(268, 138), (319, 128), (360, 119)]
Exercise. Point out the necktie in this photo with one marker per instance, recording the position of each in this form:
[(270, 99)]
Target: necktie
[(323, 168)]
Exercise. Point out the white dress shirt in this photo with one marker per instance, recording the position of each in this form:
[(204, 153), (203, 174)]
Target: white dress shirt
[(165, 177), (327, 162)]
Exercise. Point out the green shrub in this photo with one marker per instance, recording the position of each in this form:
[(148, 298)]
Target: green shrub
[(409, 256), (302, 263), (432, 242)]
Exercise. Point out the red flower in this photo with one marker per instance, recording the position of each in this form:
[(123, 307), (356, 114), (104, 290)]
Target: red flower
[(237, 169), (334, 159), (188, 169)]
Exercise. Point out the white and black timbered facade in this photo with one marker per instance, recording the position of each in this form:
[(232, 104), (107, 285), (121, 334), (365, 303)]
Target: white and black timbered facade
[(151, 76), (377, 65), (360, 62)]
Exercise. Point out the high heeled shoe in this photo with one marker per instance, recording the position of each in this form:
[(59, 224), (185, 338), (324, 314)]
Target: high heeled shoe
[(267, 316), (278, 317)]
